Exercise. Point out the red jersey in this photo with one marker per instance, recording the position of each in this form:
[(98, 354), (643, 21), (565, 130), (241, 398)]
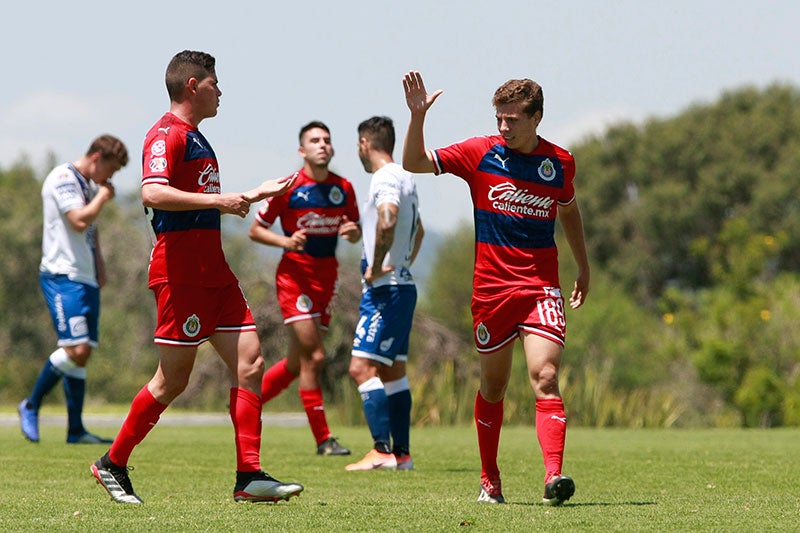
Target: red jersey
[(188, 244), (319, 209), (515, 198)]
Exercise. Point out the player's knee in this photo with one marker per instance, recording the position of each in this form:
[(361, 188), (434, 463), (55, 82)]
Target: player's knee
[(545, 381), (254, 368), (79, 354), (361, 370)]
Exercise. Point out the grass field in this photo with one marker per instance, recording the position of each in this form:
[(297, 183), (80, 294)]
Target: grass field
[(627, 480)]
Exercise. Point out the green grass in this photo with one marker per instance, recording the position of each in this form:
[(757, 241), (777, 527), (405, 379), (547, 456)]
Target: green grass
[(627, 480)]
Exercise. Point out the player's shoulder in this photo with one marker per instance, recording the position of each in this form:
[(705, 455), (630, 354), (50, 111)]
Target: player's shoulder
[(167, 127), (336, 179), (60, 174), (558, 151)]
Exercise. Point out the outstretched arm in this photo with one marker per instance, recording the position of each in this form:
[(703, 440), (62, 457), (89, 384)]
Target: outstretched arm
[(415, 157)]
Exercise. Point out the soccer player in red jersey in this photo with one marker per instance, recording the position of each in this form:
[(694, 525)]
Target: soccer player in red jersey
[(520, 183), (197, 295), (319, 208)]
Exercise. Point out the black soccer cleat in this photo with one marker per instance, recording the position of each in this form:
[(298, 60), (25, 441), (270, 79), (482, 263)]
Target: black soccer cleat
[(558, 490), (331, 446), (115, 480)]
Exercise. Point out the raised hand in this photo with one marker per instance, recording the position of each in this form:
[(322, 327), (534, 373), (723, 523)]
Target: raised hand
[(417, 98)]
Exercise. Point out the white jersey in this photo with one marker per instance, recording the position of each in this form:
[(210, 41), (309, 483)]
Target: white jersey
[(392, 184), (64, 250)]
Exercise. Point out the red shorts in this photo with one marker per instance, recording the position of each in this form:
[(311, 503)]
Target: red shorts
[(189, 315), (497, 319), (304, 294)]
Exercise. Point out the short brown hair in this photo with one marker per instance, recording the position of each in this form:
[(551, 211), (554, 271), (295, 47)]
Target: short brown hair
[(310, 126), (526, 91), (109, 148), (185, 65), (380, 132)]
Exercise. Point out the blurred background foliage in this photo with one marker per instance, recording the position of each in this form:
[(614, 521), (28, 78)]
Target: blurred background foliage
[(693, 231)]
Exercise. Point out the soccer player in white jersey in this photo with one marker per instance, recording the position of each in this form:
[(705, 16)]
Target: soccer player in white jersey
[(71, 273), (392, 232)]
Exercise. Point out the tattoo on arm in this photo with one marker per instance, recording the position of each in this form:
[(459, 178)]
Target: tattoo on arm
[(384, 234)]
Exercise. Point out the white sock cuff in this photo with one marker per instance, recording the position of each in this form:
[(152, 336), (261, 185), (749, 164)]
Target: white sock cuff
[(398, 385), (61, 361), (371, 384), (79, 372)]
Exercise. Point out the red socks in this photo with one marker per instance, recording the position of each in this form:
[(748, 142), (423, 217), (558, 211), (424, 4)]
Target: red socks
[(551, 428), (143, 415), (315, 410), (488, 421), (245, 412), (275, 380)]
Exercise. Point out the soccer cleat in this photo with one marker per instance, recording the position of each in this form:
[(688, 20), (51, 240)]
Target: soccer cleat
[(331, 446), (490, 492), (87, 438), (558, 490), (404, 462), (115, 480), (28, 421), (374, 460), (261, 487)]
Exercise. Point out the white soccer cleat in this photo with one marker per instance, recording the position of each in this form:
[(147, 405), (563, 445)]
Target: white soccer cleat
[(261, 487)]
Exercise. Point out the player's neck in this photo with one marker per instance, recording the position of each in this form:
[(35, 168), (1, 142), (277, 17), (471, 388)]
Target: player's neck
[(316, 172), (380, 160), (185, 113)]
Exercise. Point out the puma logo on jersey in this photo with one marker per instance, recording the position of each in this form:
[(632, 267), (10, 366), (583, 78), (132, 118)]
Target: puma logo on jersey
[(303, 195), (502, 161), (165, 131), (560, 419)]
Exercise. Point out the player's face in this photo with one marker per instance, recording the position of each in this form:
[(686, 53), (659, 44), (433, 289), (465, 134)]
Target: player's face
[(207, 96), (517, 127), (101, 170), (316, 147)]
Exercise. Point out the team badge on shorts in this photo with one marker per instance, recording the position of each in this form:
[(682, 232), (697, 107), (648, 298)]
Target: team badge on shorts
[(303, 303), (483, 334), (336, 196), (546, 170), (387, 344), (192, 326)]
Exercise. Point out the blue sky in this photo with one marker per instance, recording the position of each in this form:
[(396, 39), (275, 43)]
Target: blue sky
[(78, 69)]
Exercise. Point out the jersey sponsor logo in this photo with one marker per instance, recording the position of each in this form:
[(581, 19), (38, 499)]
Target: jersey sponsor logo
[(165, 131), (336, 196), (502, 161), (209, 179), (316, 224), (159, 147), (157, 164), (303, 303), (546, 170), (507, 197), (192, 326), (482, 334), (67, 192)]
